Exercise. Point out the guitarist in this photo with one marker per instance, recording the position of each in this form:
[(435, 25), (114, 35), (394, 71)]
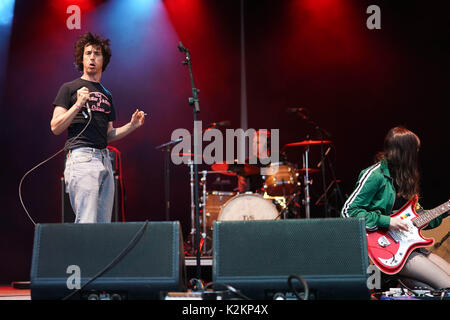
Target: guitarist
[(387, 186)]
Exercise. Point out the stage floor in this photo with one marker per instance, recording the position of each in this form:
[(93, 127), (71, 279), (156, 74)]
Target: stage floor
[(7, 292)]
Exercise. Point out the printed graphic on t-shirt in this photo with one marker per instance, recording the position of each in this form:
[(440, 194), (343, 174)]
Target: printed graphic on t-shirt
[(99, 102)]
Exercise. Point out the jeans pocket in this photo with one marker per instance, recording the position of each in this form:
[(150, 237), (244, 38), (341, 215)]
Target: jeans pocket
[(81, 157)]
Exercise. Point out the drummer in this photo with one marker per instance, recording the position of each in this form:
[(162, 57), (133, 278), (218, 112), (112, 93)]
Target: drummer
[(261, 151)]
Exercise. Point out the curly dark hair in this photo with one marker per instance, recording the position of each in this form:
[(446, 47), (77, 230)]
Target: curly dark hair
[(95, 40)]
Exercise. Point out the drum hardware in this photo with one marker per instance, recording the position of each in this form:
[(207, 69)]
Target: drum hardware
[(244, 169), (193, 207), (280, 201), (225, 205), (302, 171), (307, 182), (189, 154), (206, 219), (284, 196), (306, 169), (306, 143), (302, 113), (203, 211), (286, 205), (167, 147), (333, 195), (331, 187)]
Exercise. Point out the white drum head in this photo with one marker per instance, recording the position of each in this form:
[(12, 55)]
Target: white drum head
[(248, 207)]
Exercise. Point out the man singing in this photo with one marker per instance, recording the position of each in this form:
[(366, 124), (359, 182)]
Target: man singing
[(86, 109)]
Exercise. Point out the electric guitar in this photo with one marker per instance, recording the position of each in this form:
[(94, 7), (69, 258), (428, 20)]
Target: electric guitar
[(388, 249)]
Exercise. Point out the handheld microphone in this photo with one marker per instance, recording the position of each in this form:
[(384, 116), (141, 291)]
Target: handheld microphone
[(88, 110)]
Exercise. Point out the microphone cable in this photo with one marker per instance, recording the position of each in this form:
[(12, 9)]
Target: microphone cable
[(71, 142)]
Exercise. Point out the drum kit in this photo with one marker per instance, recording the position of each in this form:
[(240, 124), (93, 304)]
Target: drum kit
[(279, 193)]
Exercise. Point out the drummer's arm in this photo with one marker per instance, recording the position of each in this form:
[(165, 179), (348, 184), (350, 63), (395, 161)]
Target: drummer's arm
[(242, 184)]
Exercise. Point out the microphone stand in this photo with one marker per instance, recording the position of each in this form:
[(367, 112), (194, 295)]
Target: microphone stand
[(336, 185), (322, 132), (167, 147), (194, 102), (324, 183)]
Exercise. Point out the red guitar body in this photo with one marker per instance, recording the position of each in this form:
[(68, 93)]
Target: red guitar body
[(389, 249)]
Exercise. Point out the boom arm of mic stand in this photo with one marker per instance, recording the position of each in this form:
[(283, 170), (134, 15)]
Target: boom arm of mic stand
[(194, 99), (169, 144)]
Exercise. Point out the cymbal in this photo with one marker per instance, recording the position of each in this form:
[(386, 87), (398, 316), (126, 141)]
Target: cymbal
[(306, 143), (310, 170), (189, 154), (236, 168), (222, 168)]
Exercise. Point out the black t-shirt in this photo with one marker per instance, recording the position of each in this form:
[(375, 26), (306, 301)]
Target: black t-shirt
[(102, 107)]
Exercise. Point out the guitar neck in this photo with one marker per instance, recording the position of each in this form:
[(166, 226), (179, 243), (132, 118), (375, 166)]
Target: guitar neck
[(428, 216)]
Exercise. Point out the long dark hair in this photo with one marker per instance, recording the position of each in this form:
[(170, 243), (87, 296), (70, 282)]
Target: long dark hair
[(94, 40), (401, 151)]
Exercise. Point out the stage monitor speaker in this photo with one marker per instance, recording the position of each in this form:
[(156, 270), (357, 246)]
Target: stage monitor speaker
[(257, 257), (142, 260)]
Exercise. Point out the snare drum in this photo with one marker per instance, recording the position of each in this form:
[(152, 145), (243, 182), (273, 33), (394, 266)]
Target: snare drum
[(280, 179), (248, 206)]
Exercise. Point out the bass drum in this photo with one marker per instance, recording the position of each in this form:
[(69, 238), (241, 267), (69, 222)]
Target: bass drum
[(248, 206)]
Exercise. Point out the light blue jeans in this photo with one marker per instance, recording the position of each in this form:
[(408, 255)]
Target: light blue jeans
[(89, 182)]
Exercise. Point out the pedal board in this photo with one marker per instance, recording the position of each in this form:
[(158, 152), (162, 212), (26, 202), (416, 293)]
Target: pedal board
[(415, 294)]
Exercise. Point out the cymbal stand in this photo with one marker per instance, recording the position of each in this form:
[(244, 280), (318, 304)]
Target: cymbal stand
[(167, 148), (307, 182), (203, 205), (286, 206), (193, 226), (322, 132)]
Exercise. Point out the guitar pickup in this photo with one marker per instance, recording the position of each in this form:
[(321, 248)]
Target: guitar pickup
[(383, 242), (394, 235)]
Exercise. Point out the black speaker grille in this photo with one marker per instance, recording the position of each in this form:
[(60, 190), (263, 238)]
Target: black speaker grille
[(93, 246), (331, 247)]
